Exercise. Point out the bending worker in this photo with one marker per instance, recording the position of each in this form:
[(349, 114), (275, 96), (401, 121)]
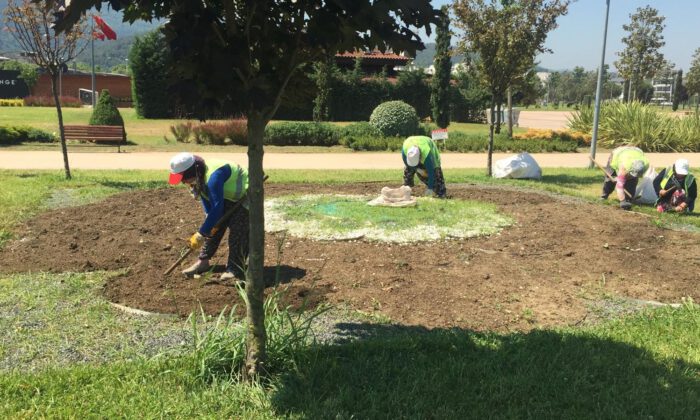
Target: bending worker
[(421, 156), (222, 187), (676, 188), (626, 165)]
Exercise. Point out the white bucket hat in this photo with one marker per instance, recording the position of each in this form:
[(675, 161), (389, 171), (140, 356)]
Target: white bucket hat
[(681, 166), (413, 156), (179, 164)]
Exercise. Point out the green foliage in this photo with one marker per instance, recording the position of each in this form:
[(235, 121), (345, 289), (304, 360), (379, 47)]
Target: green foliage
[(105, 112), (23, 134), (678, 89), (359, 129), (693, 80), (642, 57), (411, 87), (395, 118), (220, 349), (149, 61), (301, 134), (469, 98), (440, 86), (323, 85), (66, 101), (640, 125)]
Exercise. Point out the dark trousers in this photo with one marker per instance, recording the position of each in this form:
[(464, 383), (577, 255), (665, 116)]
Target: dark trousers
[(409, 172), (609, 186), (238, 227)]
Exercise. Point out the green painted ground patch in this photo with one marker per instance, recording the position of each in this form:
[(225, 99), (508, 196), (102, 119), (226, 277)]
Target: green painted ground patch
[(328, 217)]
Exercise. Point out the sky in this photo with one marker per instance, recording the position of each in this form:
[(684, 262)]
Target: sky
[(578, 41)]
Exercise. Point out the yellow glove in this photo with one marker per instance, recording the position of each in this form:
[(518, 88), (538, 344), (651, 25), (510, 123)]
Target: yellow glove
[(196, 241)]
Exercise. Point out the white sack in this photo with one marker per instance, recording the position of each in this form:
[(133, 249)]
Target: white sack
[(645, 187), (521, 165), (394, 197)]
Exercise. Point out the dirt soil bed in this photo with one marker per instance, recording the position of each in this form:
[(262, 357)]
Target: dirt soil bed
[(547, 269)]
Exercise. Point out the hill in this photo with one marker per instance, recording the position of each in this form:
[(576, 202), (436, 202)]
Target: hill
[(425, 58)]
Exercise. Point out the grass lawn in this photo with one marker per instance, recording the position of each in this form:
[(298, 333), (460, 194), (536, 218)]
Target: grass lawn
[(148, 135), (68, 354)]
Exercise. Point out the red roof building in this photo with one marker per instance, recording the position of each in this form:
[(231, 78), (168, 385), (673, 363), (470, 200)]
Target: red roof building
[(372, 61)]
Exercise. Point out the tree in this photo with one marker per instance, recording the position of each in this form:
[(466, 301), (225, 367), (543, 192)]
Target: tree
[(323, 86), (106, 112), (641, 57), (507, 38), (529, 89), (30, 24), (677, 89), (692, 82), (150, 61), (412, 88), (243, 55), (440, 85)]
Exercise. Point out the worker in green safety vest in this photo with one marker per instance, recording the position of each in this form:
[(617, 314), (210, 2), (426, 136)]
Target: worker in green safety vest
[(221, 186), (626, 165), (677, 188), (421, 157)]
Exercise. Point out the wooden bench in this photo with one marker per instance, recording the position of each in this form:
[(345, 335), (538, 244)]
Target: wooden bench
[(110, 134)]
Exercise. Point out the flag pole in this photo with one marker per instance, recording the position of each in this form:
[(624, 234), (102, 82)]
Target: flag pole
[(92, 54)]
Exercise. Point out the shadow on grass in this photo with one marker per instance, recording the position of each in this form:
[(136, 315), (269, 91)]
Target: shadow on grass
[(405, 372)]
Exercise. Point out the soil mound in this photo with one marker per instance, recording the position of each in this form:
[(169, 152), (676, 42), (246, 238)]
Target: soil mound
[(558, 258)]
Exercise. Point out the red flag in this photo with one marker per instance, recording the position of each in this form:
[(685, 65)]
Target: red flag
[(98, 35), (106, 30)]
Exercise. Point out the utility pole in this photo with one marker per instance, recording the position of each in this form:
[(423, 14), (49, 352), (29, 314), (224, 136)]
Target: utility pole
[(596, 114), (92, 54)]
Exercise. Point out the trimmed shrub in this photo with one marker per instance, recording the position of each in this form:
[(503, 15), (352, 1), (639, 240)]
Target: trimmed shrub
[(216, 133), (301, 134), (66, 101), (359, 129), (11, 102), (395, 118), (24, 134), (582, 139), (376, 144), (105, 112), (149, 61)]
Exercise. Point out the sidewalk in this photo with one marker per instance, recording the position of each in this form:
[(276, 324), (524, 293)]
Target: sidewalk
[(357, 160)]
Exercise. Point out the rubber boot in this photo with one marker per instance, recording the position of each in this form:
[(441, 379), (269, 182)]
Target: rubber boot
[(625, 205), (201, 266)]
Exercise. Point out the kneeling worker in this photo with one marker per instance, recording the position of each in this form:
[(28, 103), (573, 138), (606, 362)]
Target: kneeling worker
[(676, 188), (626, 165), (421, 156), (222, 188)]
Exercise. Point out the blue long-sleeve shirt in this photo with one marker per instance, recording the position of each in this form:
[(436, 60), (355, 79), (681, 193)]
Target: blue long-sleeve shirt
[(214, 203), (429, 167)]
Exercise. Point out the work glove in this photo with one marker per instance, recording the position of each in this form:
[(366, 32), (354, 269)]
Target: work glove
[(196, 241), (429, 193)]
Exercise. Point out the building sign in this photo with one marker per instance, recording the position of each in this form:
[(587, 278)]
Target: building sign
[(439, 134), (11, 86)]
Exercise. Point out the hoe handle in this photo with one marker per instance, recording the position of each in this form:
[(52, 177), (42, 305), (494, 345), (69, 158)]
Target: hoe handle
[(178, 262), (607, 175)]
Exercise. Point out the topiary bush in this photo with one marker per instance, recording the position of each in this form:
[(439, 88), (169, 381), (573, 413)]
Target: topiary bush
[(395, 118), (105, 112), (24, 134), (301, 134)]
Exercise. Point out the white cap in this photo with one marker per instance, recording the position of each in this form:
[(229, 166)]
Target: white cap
[(179, 164), (413, 156), (637, 169), (681, 166)]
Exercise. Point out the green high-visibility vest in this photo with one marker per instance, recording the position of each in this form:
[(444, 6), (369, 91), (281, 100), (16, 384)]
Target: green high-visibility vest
[(426, 146), (627, 155), (687, 181), (236, 186)]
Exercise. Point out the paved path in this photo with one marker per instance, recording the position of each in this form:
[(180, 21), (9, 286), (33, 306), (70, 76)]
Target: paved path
[(364, 160)]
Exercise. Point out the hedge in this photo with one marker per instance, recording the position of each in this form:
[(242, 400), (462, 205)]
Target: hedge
[(23, 134)]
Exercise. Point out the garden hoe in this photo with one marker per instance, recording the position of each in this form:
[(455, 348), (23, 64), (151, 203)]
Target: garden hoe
[(607, 175), (185, 253)]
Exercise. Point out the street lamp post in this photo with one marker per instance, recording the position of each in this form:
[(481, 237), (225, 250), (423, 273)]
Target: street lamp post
[(596, 114)]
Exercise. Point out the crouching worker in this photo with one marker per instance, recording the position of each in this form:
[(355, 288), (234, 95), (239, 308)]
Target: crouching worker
[(421, 156), (626, 165), (676, 188), (222, 188)]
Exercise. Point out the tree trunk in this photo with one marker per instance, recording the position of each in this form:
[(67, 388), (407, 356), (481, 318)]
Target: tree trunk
[(255, 286), (62, 133), (498, 116), (491, 128), (510, 113)]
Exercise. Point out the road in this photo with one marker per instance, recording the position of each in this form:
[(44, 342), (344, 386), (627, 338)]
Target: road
[(364, 160)]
